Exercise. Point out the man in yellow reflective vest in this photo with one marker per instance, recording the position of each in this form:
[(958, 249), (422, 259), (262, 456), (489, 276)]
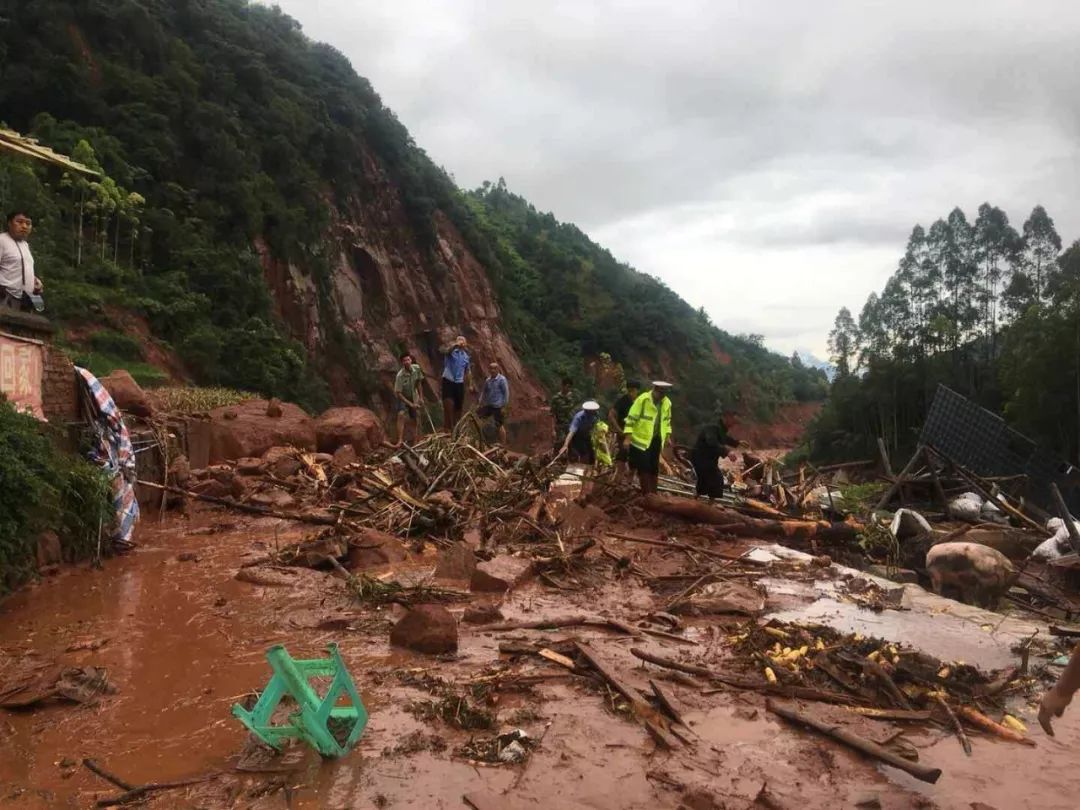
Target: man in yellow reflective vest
[(646, 432)]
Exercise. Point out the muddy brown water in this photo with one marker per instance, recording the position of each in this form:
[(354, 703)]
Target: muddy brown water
[(186, 640)]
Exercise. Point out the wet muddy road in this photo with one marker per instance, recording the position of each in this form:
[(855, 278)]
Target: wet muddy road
[(184, 640)]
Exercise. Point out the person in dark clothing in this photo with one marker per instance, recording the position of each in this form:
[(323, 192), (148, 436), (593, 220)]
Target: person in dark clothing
[(712, 442), (617, 416)]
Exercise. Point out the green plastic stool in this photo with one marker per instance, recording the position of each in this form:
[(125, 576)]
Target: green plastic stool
[(313, 719)]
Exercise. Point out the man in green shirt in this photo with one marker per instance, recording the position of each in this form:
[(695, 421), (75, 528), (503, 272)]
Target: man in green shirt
[(409, 396), (563, 407)]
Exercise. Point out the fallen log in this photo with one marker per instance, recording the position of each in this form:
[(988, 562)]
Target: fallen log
[(649, 717), (566, 621), (852, 740), (731, 521), (672, 544), (802, 692), (318, 520)]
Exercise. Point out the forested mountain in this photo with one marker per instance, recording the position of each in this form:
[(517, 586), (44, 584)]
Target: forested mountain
[(991, 311), (278, 229)]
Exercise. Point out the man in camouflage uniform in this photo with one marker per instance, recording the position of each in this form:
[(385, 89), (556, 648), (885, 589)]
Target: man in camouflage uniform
[(563, 407)]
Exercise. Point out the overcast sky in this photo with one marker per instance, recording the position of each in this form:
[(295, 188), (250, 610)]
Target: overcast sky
[(765, 159)]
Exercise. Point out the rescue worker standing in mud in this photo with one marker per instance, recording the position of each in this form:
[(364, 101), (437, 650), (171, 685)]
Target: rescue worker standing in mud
[(646, 432)]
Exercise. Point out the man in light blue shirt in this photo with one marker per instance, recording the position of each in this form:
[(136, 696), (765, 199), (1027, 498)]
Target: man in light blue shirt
[(493, 398), (454, 377)]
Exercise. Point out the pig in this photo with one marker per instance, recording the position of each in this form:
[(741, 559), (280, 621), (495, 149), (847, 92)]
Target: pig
[(978, 574)]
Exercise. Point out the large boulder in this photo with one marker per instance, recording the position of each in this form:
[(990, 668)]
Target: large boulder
[(127, 394), (356, 426), (428, 629), (246, 429)]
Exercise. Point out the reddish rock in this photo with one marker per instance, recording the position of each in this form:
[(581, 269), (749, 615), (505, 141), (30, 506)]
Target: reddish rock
[(500, 574), (127, 394), (273, 499), (274, 409), (344, 456), (250, 432), (249, 466), (356, 426), (49, 550), (577, 519), (482, 614), (372, 548), (428, 629), (456, 562), (324, 458)]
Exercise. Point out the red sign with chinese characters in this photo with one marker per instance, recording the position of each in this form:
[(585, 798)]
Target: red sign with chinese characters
[(21, 369)]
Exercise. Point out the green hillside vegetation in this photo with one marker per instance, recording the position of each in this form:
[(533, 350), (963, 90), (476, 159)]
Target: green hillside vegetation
[(217, 123), (990, 311), (44, 489), (565, 297)]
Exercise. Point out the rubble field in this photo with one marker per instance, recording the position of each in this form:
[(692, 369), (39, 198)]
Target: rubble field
[(523, 637)]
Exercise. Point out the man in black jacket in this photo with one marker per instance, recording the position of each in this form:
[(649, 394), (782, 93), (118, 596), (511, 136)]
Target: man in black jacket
[(712, 442)]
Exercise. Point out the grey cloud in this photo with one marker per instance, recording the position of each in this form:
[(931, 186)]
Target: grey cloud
[(748, 128)]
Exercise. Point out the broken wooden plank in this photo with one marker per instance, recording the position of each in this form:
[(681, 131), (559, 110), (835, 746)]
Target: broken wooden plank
[(912, 715), (852, 740), (654, 723), (556, 658)]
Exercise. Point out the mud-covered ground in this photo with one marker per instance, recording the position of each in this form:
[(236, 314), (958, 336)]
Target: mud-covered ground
[(183, 640)]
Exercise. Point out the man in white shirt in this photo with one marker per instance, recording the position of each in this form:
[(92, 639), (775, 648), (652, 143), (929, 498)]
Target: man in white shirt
[(17, 279)]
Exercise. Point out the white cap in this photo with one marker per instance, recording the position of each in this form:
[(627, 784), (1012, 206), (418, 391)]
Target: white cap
[(591, 405), (661, 384)]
